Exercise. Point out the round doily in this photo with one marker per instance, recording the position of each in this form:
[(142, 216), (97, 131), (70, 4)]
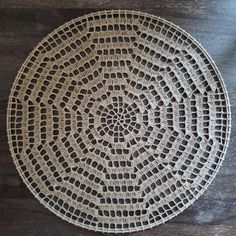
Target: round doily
[(118, 121)]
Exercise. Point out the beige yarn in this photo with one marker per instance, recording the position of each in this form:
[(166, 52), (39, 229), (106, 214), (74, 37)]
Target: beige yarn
[(118, 121)]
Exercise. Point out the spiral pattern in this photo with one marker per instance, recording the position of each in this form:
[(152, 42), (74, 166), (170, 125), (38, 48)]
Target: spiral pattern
[(118, 121)]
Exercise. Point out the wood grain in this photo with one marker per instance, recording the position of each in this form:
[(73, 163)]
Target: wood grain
[(23, 23)]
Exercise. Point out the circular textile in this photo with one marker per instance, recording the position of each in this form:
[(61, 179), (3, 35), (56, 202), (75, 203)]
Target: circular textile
[(118, 121)]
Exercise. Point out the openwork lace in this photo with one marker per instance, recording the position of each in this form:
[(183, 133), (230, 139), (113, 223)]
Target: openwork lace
[(118, 121)]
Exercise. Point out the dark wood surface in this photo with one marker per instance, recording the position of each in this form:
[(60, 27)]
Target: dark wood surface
[(23, 23)]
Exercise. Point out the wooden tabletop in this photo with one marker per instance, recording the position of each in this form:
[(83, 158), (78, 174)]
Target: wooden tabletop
[(23, 23)]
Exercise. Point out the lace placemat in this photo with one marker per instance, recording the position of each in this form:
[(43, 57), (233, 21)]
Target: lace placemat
[(118, 121)]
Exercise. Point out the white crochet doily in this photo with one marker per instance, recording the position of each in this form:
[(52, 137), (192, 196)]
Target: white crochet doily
[(118, 121)]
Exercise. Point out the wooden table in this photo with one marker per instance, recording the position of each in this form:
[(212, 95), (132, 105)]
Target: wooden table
[(23, 23)]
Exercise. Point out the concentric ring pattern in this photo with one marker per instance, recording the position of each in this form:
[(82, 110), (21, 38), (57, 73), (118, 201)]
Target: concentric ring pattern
[(118, 121)]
